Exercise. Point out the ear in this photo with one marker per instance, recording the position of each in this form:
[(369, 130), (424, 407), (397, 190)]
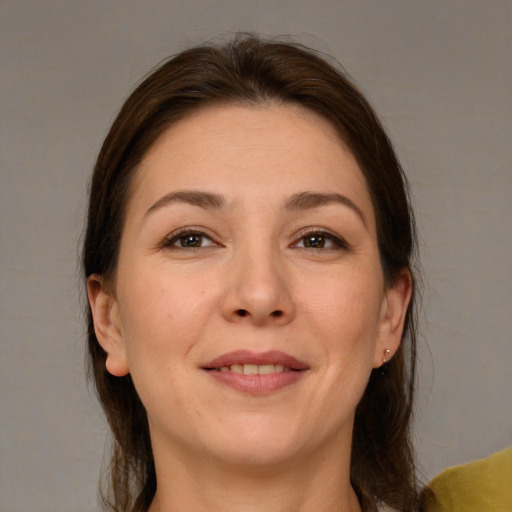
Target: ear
[(107, 325), (391, 323)]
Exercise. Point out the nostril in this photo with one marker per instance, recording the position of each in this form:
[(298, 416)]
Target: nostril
[(243, 312)]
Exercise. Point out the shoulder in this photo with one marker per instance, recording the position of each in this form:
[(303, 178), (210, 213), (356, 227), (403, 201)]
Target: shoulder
[(479, 485)]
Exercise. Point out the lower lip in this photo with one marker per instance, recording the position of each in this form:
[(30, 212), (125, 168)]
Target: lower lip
[(258, 384)]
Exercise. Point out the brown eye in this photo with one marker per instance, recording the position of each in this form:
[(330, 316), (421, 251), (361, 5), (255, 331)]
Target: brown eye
[(321, 240), (191, 240), (314, 241)]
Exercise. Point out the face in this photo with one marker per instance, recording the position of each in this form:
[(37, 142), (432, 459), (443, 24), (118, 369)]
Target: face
[(249, 305)]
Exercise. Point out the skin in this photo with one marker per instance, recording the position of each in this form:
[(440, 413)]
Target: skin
[(174, 308)]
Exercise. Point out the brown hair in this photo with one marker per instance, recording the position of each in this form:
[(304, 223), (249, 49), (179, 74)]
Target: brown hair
[(247, 71)]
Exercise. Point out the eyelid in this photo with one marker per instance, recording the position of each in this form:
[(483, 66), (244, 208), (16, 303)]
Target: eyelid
[(338, 240), (170, 239)]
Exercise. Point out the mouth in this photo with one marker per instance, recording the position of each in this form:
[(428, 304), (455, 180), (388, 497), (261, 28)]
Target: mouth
[(256, 373), (253, 369)]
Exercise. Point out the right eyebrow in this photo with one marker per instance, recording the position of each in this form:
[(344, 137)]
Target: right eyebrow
[(205, 200), (310, 200)]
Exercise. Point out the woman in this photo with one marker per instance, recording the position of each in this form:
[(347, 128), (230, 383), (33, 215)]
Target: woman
[(251, 294)]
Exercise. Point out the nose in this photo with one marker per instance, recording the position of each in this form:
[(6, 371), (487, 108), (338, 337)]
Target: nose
[(258, 291)]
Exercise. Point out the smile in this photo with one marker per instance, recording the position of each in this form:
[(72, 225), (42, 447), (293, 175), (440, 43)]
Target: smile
[(254, 369), (256, 373)]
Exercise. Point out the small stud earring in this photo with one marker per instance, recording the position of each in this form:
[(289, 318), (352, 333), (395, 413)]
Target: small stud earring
[(387, 353), (383, 370)]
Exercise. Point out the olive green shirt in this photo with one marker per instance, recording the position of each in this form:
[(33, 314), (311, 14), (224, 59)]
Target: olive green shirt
[(480, 486)]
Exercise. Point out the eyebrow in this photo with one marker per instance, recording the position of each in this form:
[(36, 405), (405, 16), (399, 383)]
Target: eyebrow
[(311, 200), (300, 201), (206, 200)]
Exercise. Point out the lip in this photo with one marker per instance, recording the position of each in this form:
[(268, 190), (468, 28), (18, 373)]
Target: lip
[(248, 357), (257, 384)]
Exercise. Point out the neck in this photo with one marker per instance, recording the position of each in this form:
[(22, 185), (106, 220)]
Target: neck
[(316, 483)]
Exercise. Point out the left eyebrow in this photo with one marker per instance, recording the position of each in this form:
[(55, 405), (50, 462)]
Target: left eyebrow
[(310, 200), (198, 198)]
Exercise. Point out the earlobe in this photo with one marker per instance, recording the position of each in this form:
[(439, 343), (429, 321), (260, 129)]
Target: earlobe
[(107, 325), (391, 324)]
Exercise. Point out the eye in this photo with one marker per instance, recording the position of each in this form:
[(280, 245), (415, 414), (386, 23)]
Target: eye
[(320, 240), (189, 240), (316, 241)]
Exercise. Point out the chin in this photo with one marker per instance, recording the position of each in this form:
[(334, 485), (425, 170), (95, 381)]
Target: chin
[(260, 443), (258, 455)]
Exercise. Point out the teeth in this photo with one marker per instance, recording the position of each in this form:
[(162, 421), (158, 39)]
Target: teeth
[(254, 369), (265, 369), (250, 369)]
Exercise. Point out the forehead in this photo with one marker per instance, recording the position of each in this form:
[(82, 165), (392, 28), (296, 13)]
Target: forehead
[(264, 152)]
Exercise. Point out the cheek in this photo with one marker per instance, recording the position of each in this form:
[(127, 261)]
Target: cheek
[(344, 315), (162, 322), (162, 318), (341, 322)]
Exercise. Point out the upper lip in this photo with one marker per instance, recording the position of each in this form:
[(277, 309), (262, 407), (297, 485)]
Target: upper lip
[(259, 358)]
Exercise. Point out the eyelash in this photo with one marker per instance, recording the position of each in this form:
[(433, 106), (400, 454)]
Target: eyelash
[(337, 242), (171, 241)]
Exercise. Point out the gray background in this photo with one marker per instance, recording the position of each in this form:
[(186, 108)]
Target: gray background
[(439, 73)]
